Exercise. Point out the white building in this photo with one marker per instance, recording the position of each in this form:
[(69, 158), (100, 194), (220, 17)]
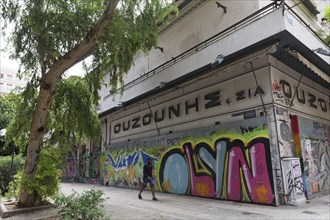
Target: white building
[(233, 104), (9, 81)]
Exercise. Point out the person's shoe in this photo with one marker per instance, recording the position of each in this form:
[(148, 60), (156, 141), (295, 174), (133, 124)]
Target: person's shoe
[(155, 199), (140, 197)]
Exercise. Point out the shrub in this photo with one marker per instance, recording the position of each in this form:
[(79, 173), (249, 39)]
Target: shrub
[(87, 205), (5, 167), (46, 179)]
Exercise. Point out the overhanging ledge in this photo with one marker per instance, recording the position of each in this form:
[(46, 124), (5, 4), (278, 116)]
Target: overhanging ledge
[(309, 64)]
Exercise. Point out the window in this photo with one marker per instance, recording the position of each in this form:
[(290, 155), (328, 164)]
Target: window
[(10, 85), (1, 76), (9, 76)]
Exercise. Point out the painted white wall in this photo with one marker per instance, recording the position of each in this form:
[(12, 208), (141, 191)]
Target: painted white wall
[(303, 34), (306, 86), (202, 23), (227, 80), (240, 38)]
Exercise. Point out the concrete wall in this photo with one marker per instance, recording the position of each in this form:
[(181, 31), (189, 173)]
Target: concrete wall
[(203, 22), (220, 96), (180, 34)]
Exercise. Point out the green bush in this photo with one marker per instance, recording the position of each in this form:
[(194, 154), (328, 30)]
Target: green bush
[(87, 205), (46, 178), (5, 166)]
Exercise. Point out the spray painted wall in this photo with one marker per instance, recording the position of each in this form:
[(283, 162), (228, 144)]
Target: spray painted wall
[(82, 168), (293, 181), (312, 142), (69, 171), (230, 162)]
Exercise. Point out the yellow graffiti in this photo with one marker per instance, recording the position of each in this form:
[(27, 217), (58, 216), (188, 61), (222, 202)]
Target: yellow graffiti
[(245, 197), (131, 174), (166, 186), (262, 193), (202, 189), (224, 187)]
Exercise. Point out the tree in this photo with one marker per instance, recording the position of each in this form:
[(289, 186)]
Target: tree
[(72, 102), (7, 110), (324, 34), (327, 13), (7, 105), (50, 37)]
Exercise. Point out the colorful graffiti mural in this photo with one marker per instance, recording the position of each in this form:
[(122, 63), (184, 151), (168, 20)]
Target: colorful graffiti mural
[(228, 168), (312, 139), (224, 165), (69, 169), (84, 169), (124, 168)]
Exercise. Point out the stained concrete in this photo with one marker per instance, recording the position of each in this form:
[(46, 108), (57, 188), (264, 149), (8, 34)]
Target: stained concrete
[(124, 204)]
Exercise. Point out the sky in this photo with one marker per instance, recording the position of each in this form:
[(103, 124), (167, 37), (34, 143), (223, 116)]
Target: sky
[(11, 66)]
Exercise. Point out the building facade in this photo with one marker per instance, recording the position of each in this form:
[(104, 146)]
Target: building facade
[(232, 104), (10, 82)]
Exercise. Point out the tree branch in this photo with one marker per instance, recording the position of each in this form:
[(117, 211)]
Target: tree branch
[(85, 48)]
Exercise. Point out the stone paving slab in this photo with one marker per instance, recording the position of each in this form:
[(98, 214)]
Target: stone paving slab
[(124, 204)]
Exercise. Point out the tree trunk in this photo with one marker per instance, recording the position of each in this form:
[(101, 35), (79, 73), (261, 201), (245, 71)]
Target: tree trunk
[(47, 90), (37, 131)]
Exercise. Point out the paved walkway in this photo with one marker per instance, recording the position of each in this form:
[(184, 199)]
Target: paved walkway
[(124, 204)]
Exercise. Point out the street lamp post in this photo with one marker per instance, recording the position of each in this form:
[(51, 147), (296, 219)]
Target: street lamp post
[(12, 163)]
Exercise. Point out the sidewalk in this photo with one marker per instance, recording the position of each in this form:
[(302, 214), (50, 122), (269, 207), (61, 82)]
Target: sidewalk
[(124, 204)]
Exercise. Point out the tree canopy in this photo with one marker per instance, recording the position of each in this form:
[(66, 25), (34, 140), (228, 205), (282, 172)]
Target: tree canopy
[(51, 36), (48, 33), (324, 33), (7, 106), (72, 116), (7, 112)]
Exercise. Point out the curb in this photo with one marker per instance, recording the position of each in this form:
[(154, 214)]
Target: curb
[(5, 213)]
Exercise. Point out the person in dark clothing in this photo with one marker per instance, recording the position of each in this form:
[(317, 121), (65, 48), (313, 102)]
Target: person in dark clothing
[(148, 178)]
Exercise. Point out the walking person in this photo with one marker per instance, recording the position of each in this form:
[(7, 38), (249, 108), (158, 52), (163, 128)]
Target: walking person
[(148, 178)]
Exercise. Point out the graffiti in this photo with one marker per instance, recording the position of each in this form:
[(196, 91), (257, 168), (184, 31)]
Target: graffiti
[(228, 169), (287, 94), (172, 141), (82, 166), (251, 128), (316, 164), (125, 169), (222, 165), (294, 183), (69, 171), (94, 167), (285, 140), (278, 177), (151, 142), (313, 139), (278, 95), (294, 187), (285, 131), (201, 185)]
